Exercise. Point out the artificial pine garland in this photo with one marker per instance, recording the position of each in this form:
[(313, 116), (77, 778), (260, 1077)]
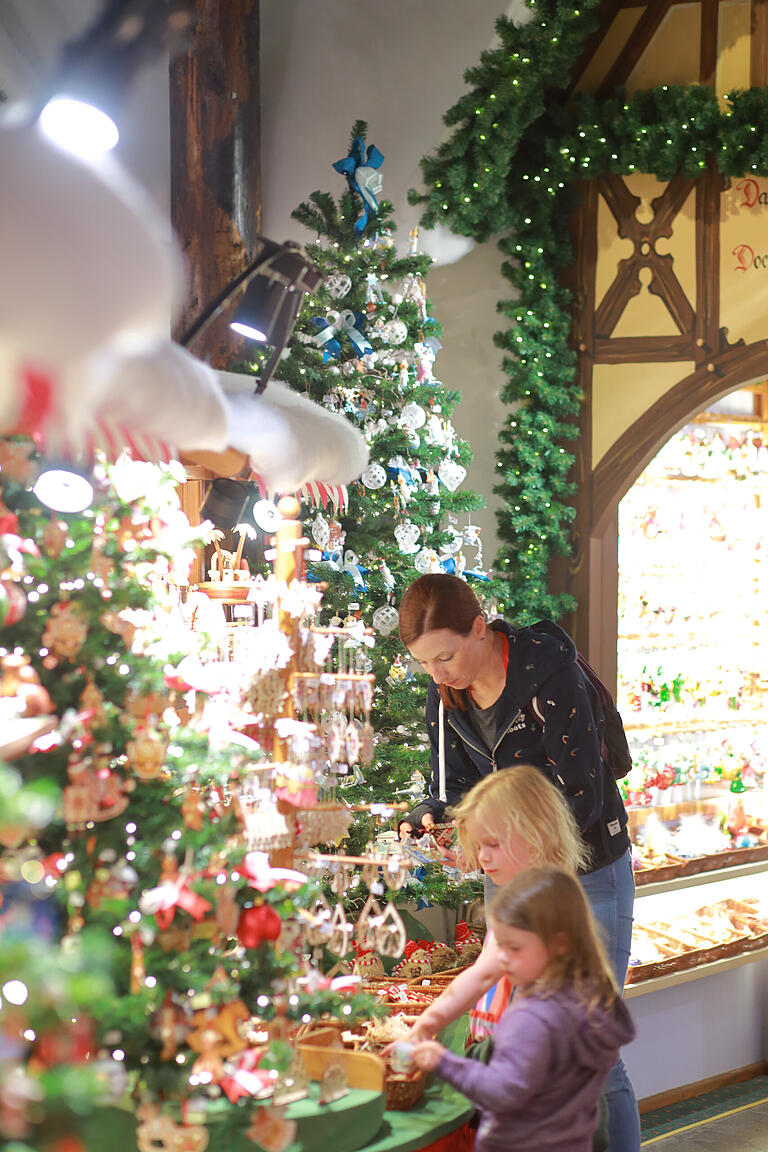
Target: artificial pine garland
[(512, 169)]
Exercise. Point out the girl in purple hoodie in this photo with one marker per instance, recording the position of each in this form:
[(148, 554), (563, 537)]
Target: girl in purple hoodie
[(560, 1036)]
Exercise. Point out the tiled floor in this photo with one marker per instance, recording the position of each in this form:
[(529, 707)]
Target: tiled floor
[(744, 1129)]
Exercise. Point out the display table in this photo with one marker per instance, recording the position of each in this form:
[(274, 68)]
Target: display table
[(438, 1123), (358, 1121)]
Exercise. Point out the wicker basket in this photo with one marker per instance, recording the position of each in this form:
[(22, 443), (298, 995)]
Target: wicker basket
[(407, 1007), (404, 1091)]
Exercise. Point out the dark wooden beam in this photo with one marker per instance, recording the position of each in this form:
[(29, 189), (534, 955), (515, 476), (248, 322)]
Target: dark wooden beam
[(570, 573), (639, 349), (606, 14), (758, 44), (708, 45), (668, 204), (625, 62), (625, 286), (667, 287), (215, 162), (623, 205), (707, 335)]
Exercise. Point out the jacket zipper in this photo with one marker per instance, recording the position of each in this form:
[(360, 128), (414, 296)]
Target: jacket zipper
[(492, 756)]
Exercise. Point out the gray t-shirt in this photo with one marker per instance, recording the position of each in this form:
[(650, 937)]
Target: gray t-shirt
[(483, 721)]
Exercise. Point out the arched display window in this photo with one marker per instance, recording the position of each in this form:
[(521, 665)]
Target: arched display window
[(692, 591)]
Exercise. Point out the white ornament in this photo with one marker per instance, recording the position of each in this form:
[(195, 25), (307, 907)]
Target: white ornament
[(321, 530), (407, 536), (374, 476), (451, 473), (338, 285), (385, 619), (394, 332), (266, 515), (426, 561), (413, 416), (454, 544)]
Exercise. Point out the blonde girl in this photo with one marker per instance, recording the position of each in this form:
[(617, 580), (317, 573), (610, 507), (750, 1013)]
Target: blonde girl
[(561, 1034), (509, 822)]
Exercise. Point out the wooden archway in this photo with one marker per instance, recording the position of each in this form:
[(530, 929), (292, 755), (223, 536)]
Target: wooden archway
[(614, 476), (697, 340)]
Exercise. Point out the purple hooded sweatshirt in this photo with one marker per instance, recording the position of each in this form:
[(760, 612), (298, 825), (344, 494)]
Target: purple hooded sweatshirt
[(541, 1090)]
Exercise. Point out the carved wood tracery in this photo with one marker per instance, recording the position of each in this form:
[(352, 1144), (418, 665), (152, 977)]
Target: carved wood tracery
[(626, 284)]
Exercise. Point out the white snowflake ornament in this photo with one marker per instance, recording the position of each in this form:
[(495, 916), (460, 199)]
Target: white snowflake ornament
[(407, 536), (393, 332), (374, 476), (338, 285), (385, 619)]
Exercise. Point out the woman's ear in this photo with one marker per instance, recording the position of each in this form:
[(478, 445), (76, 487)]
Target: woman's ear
[(479, 627)]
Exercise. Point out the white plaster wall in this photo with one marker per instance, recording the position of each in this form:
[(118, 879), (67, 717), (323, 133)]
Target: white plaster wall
[(399, 66)]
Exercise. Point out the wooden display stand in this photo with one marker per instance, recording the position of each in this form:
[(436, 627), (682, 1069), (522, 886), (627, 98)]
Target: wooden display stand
[(323, 1047)]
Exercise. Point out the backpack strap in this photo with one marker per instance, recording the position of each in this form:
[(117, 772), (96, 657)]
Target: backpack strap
[(441, 794)]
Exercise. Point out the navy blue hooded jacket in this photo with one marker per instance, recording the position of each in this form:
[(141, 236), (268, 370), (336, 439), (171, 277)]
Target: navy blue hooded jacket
[(566, 748)]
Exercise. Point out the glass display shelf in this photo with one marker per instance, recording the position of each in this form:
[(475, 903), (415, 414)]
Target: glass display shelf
[(683, 901), (645, 987), (697, 879)]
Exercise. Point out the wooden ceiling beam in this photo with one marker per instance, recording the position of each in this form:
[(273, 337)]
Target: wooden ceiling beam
[(644, 31), (215, 163)]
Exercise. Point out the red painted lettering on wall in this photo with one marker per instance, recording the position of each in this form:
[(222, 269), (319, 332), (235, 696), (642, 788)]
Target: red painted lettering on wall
[(745, 257), (753, 197)]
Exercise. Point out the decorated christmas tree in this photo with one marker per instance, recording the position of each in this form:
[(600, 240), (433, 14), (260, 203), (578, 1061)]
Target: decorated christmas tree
[(366, 345), (156, 962)]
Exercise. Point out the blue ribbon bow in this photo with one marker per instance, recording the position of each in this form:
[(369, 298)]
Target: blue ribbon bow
[(346, 562), (336, 324), (361, 174)]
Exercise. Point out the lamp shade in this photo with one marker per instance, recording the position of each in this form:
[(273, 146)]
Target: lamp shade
[(224, 503), (267, 312), (271, 302), (97, 68)]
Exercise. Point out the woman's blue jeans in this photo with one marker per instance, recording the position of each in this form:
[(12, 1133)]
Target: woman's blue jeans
[(611, 894)]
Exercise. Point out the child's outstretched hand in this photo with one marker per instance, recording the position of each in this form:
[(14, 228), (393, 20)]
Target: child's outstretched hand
[(427, 1055)]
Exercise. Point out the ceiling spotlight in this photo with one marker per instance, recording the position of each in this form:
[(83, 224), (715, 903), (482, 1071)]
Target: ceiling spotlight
[(224, 503), (266, 515), (270, 305), (63, 487), (274, 284), (79, 127), (86, 94)]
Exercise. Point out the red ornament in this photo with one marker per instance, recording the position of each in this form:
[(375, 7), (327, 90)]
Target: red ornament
[(257, 925), (9, 521), (74, 1044)]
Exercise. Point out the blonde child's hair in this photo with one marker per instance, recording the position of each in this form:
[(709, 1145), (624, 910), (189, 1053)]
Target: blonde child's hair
[(521, 801), (551, 903)]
